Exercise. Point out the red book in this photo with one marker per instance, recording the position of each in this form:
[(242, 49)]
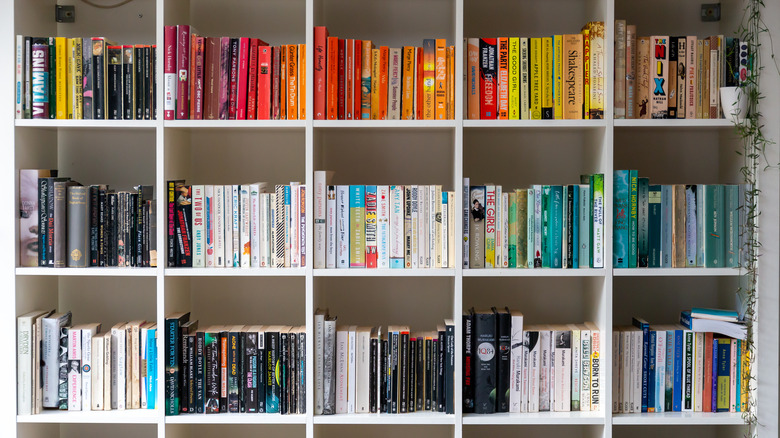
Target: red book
[(243, 77), (183, 64), (333, 78), (211, 80), (418, 84), (263, 83), (706, 405), (170, 73), (349, 77), (233, 87), (384, 61), (356, 81), (342, 76), (196, 110), (276, 109), (320, 72), (224, 77), (488, 70), (251, 88)]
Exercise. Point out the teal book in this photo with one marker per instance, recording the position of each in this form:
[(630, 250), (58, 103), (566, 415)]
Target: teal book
[(513, 231), (714, 242), (621, 207), (667, 210), (586, 224), (643, 189), (151, 368), (731, 205), (633, 207), (556, 226), (700, 189), (546, 250), (575, 226), (531, 226), (654, 226)]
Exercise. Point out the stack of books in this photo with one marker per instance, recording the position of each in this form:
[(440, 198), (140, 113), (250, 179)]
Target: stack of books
[(223, 78)]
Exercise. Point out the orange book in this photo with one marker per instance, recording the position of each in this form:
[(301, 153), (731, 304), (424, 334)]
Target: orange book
[(503, 78), (283, 82), (419, 84), (573, 98), (451, 83), (365, 79), (429, 79), (333, 79), (407, 95), (441, 79), (384, 61), (302, 81), (375, 84), (292, 82)]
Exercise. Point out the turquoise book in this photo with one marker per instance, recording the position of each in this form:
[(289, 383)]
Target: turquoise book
[(512, 256), (585, 228), (575, 223), (654, 226), (667, 207), (546, 226), (731, 198), (621, 207), (714, 244), (633, 207), (643, 189), (556, 226), (151, 368)]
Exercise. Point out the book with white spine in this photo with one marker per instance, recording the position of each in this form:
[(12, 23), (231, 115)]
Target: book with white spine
[(198, 226), (445, 251), (208, 216), (397, 227), (432, 201), (87, 332), (517, 350), (319, 343), (143, 336), (330, 227), (616, 381), (236, 227), (265, 230), (74, 368), (362, 369), (415, 228), (342, 226), (295, 231), (107, 367), (272, 230), (534, 367), (96, 373), (424, 226), (321, 178), (383, 226), (525, 370), (351, 368), (576, 366), (562, 361), (228, 196), (625, 370), (26, 345), (279, 226), (698, 370), (451, 228), (660, 369), (585, 342), (342, 363), (219, 226), (118, 365), (254, 224)]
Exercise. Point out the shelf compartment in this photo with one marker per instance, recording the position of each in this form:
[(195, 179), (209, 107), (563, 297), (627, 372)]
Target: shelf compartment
[(85, 124), (125, 427), (534, 273), (384, 272), (238, 300), (538, 418), (679, 418), (243, 418), (88, 272), (130, 416), (385, 124), (237, 124), (235, 272), (386, 426), (677, 272), (536, 124), (674, 430), (673, 123), (534, 430), (528, 18), (229, 428), (651, 19), (415, 418)]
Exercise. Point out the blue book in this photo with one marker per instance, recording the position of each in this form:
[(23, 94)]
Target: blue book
[(643, 193), (687, 401), (645, 327), (724, 363), (654, 226), (151, 368), (633, 208), (651, 374), (575, 221), (556, 226), (738, 397), (714, 372), (621, 207), (669, 383), (586, 226), (678, 370), (719, 314)]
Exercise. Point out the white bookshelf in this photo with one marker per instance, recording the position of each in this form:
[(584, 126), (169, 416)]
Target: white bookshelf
[(124, 153)]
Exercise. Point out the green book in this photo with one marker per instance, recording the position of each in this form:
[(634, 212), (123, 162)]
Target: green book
[(522, 228), (531, 218), (714, 221), (357, 219), (731, 205), (643, 193), (620, 219), (598, 220), (633, 207), (555, 231), (546, 226), (586, 226), (512, 230)]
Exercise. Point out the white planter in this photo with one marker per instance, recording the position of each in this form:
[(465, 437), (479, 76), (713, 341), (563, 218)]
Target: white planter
[(733, 100)]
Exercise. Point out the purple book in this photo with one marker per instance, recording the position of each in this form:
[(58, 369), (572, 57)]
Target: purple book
[(224, 77), (40, 78)]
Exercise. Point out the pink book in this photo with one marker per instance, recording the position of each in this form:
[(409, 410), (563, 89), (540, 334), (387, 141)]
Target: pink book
[(233, 80), (170, 72), (197, 77), (243, 73), (251, 89), (224, 77), (349, 76), (356, 87), (264, 83), (183, 64), (320, 71)]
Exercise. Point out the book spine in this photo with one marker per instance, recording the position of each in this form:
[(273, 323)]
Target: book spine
[(487, 78), (371, 226)]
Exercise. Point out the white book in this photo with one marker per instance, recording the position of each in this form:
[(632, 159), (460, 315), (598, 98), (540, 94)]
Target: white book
[(265, 230), (20, 92), (118, 366), (415, 213), (363, 369), (144, 378), (445, 231), (383, 226), (272, 230), (498, 226), (517, 345), (254, 211), (74, 368), (504, 230), (287, 224), (330, 238), (397, 227), (26, 344), (351, 368), (87, 332), (394, 84), (585, 338), (537, 226), (562, 393), (424, 218), (228, 220), (295, 231), (636, 370), (525, 369), (198, 226), (236, 227), (698, 370), (626, 349), (342, 226), (319, 338), (534, 361), (280, 226), (320, 218), (96, 394), (530, 227), (451, 217), (616, 403), (107, 376), (545, 357), (432, 202), (660, 370), (208, 215), (246, 226), (342, 350), (576, 366), (219, 226)]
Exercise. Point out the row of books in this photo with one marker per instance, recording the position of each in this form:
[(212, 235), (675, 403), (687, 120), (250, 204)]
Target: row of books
[(84, 78), (676, 226), (512, 367), (557, 77), (80, 226), (76, 367), (363, 370), (403, 227), (541, 227), (224, 78), (249, 225), (671, 368), (354, 80), (234, 368), (674, 77)]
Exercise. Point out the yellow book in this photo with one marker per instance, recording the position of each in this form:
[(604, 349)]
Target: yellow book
[(429, 79), (597, 70), (441, 79), (375, 84), (61, 77), (514, 78), (407, 93), (69, 87), (366, 68), (76, 79), (302, 81), (745, 377), (451, 83), (547, 78), (586, 71), (536, 78), (558, 85)]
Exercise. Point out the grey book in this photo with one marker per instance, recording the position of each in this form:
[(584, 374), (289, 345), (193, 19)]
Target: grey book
[(50, 356), (61, 222), (329, 368), (78, 213)]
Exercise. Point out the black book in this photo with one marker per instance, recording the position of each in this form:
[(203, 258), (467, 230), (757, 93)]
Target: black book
[(172, 249), (468, 362), (420, 368), (139, 82), (43, 219), (428, 371), (440, 385), (241, 366), (113, 208), (212, 371), (273, 361), (153, 82), (250, 361), (102, 224), (672, 79), (412, 399), (191, 365), (383, 392), (147, 83), (224, 357), (183, 225), (200, 369), (485, 362), (173, 361), (435, 372), (403, 370), (142, 195), (284, 353), (87, 75), (261, 372), (128, 95), (114, 88), (184, 382), (99, 69), (232, 364), (394, 370), (293, 372), (504, 361), (302, 371), (94, 225), (449, 368), (372, 372)]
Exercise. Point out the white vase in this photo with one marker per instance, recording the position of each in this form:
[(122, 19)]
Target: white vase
[(733, 100)]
